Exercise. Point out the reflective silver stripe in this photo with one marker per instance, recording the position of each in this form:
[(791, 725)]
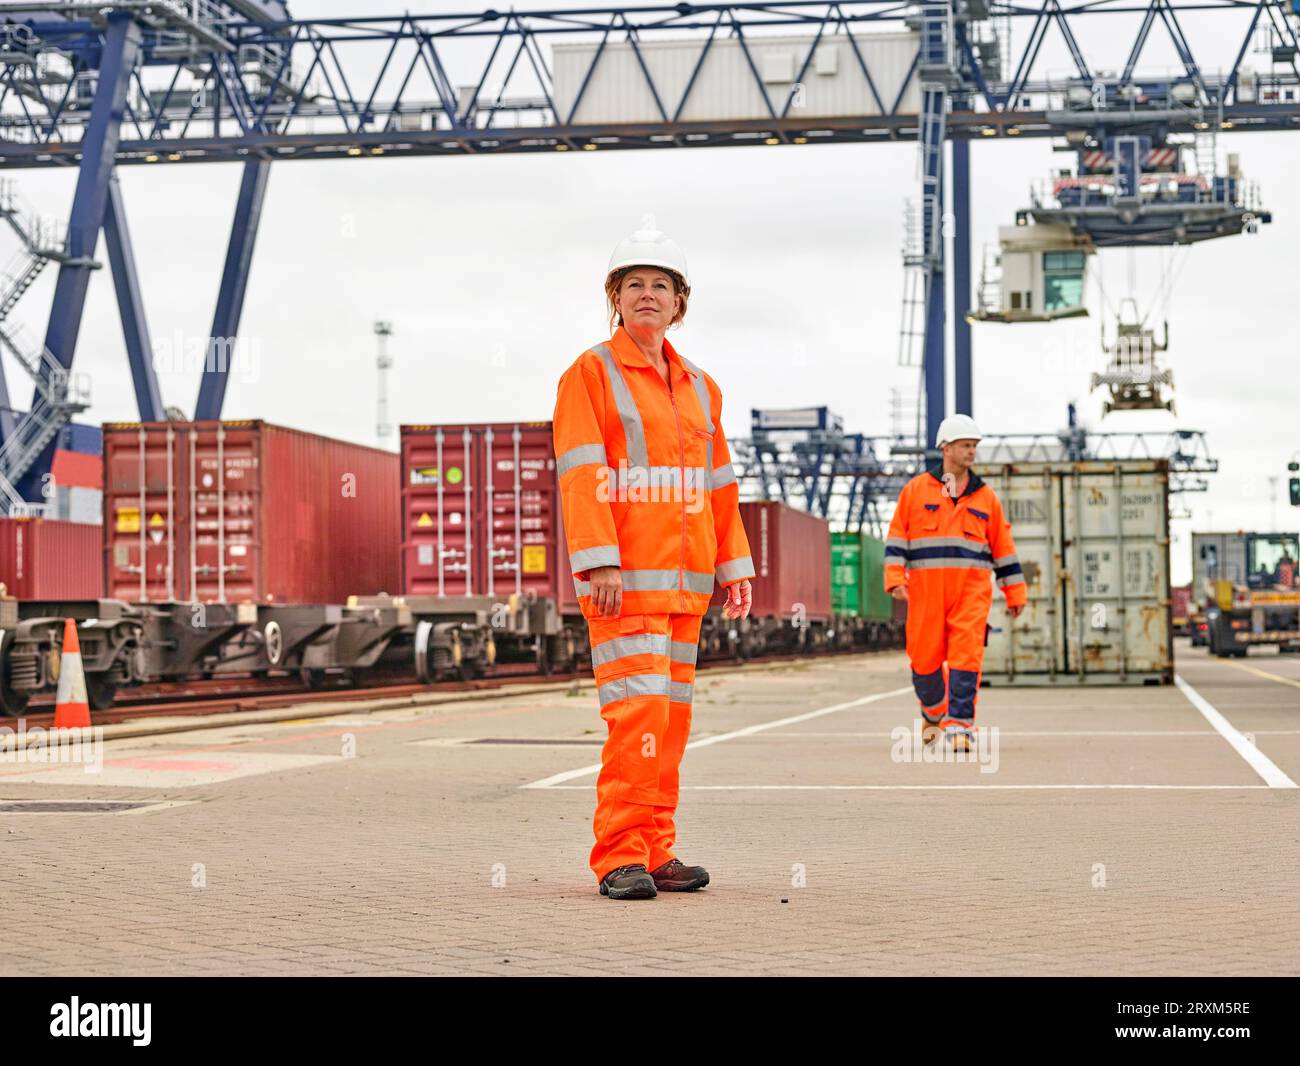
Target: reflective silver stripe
[(681, 691), (579, 456), (702, 394), (636, 685), (1011, 579), (683, 651), (657, 581), (722, 476), (947, 542), (950, 564), (1006, 560), (666, 580), (658, 477), (697, 582), (605, 555), (634, 644), (897, 542), (742, 566), (633, 428)]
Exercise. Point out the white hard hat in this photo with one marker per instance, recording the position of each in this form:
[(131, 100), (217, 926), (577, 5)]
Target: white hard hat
[(651, 247), (956, 427)]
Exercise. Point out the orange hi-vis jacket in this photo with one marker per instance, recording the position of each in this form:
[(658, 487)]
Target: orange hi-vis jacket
[(646, 482), (948, 546)]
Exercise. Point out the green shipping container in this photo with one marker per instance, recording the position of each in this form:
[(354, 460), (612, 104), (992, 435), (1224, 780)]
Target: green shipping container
[(846, 574), (858, 577), (877, 604)]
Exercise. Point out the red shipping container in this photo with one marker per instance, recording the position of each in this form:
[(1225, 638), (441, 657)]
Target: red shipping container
[(481, 514), (42, 559), (74, 470), (445, 517), (792, 561), (1181, 597), (246, 511)]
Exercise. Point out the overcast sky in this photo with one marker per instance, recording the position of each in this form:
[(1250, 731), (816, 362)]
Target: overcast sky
[(490, 270)]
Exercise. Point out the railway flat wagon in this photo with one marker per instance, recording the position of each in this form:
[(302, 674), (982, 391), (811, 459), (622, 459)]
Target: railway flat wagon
[(483, 559)]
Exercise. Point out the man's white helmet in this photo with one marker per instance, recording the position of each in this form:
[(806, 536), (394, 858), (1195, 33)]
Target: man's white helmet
[(649, 246), (956, 427)]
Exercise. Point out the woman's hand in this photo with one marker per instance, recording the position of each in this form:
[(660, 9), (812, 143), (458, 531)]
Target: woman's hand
[(606, 590), (740, 597)]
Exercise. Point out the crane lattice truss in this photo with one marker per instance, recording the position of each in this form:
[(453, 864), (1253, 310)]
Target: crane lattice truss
[(852, 480), (96, 85)]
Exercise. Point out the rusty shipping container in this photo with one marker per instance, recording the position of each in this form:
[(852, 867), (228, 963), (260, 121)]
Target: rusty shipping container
[(481, 513), (792, 562), (226, 512), (1093, 540), (47, 560)]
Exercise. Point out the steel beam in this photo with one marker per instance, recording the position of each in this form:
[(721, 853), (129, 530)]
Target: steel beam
[(963, 392), (130, 302), (89, 203), (234, 284)]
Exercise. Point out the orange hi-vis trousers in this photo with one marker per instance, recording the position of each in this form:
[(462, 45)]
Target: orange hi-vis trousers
[(645, 672)]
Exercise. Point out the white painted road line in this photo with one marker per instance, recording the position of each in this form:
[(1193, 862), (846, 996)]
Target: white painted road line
[(583, 771), (942, 788), (1070, 733), (1259, 762)]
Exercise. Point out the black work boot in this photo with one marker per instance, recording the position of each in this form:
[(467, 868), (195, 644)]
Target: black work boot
[(628, 882), (676, 876)]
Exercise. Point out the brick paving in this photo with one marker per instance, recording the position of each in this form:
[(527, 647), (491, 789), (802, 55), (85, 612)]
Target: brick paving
[(424, 855)]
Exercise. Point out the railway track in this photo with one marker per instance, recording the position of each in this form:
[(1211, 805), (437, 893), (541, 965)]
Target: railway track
[(227, 695)]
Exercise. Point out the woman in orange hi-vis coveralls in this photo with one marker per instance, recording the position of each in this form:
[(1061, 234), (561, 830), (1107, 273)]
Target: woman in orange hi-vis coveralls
[(947, 534), (652, 519)]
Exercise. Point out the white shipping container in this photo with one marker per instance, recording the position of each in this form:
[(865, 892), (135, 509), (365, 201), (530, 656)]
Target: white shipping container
[(73, 503), (1093, 540), (833, 85)]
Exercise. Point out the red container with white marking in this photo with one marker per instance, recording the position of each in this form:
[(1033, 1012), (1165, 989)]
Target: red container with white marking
[(226, 512), (481, 513)]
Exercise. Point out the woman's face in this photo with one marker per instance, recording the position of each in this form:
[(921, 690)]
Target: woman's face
[(646, 300)]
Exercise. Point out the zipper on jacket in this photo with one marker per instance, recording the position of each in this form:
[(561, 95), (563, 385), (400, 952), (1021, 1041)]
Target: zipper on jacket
[(681, 455)]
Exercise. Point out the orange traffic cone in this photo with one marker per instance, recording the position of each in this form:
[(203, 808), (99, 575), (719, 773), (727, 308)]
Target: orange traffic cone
[(71, 708)]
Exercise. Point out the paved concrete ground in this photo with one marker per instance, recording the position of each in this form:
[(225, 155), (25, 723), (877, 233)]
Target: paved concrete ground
[(1116, 832)]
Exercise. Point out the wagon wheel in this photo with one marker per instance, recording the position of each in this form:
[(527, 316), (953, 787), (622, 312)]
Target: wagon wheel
[(312, 678), (101, 692)]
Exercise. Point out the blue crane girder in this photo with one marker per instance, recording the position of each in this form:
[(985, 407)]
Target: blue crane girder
[(263, 86)]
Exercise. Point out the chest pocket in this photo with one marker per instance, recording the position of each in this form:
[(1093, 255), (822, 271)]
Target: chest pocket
[(928, 520), (975, 526), (696, 436)]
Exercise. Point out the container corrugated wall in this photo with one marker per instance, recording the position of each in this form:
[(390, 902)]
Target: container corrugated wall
[(45, 560), (858, 577), (846, 573), (246, 511), (1093, 540), (833, 85), (877, 604), (792, 561), (480, 512)]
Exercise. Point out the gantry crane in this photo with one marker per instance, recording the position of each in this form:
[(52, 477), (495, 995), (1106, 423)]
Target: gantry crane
[(97, 85)]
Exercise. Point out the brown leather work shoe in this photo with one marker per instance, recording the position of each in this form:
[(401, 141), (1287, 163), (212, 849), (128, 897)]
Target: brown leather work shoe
[(676, 876)]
